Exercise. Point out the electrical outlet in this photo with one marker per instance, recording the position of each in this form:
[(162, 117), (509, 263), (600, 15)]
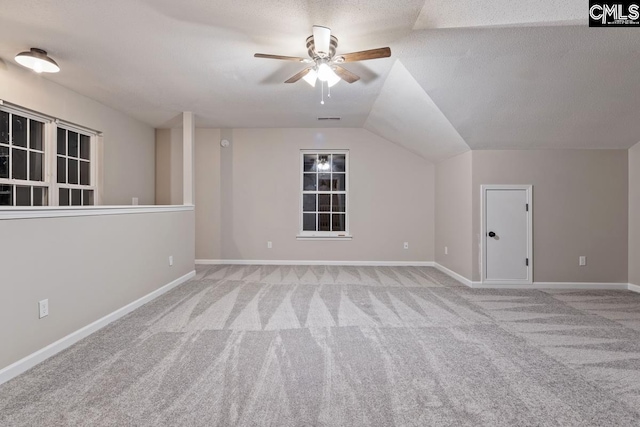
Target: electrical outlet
[(43, 308), (406, 245), (446, 250), (269, 245), (134, 201), (170, 260), (582, 261)]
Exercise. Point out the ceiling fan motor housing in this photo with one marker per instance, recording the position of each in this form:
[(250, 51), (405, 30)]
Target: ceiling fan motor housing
[(311, 48)]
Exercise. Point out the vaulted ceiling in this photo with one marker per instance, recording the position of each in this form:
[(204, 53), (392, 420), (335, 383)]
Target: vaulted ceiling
[(463, 73)]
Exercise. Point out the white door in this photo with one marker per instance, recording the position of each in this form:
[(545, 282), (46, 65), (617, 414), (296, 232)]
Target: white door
[(507, 234)]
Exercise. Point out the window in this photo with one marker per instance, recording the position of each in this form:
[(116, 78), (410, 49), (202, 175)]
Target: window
[(73, 165), (33, 172), (325, 187)]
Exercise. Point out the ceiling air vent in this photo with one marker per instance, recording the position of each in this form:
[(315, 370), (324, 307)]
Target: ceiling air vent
[(324, 119)]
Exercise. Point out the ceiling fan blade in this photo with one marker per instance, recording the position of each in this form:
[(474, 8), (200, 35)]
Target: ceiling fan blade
[(383, 52), (284, 58), (322, 40), (300, 75), (346, 75)]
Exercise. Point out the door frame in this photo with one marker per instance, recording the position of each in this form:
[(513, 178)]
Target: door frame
[(483, 234)]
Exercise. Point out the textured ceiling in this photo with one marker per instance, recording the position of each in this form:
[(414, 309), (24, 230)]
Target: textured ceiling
[(156, 58), (474, 13), (528, 78)]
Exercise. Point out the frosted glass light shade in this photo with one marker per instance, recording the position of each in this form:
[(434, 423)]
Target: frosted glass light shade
[(311, 78), (333, 79), (38, 61)]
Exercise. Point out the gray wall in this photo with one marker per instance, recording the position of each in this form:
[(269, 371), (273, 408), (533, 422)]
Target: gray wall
[(634, 215), (580, 200), (87, 267), (391, 201), (208, 193), (454, 214), (169, 167), (129, 145)]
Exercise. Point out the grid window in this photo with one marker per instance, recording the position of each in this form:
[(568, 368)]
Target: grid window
[(324, 193), (22, 160), (43, 162), (73, 168)]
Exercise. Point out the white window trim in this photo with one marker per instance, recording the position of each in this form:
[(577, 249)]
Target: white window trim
[(51, 125), (324, 235)]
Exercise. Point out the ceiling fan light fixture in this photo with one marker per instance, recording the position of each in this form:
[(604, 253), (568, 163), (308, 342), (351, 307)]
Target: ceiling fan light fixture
[(311, 78), (326, 74), (38, 61)]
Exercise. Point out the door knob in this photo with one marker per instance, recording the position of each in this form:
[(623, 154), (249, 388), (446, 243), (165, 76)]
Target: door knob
[(492, 234)]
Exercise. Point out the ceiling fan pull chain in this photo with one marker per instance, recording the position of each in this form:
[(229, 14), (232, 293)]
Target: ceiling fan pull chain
[(328, 90), (322, 87)]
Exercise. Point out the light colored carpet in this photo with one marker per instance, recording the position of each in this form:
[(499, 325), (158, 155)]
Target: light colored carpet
[(345, 346)]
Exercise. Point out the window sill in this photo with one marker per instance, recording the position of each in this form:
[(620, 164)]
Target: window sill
[(7, 213), (303, 237)]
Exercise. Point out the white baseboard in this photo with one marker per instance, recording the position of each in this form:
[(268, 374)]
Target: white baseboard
[(295, 262), (460, 278), (633, 288), (538, 285), (554, 285), (41, 355)]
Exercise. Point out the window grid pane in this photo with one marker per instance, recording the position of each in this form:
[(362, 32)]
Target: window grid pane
[(339, 222), (4, 161), (40, 196), (309, 222), (6, 195), (84, 173), (76, 197), (36, 135), (62, 141), (85, 147), (72, 171), (87, 197), (19, 163), (4, 127), (310, 202), (19, 131), (62, 170), (23, 195), (35, 166), (63, 197), (324, 222), (72, 147)]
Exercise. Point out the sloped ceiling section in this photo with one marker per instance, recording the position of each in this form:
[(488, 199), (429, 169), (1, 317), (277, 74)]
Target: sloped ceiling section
[(404, 114), (528, 88), (500, 13)]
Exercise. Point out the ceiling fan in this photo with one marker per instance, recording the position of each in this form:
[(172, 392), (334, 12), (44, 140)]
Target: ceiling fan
[(324, 64)]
